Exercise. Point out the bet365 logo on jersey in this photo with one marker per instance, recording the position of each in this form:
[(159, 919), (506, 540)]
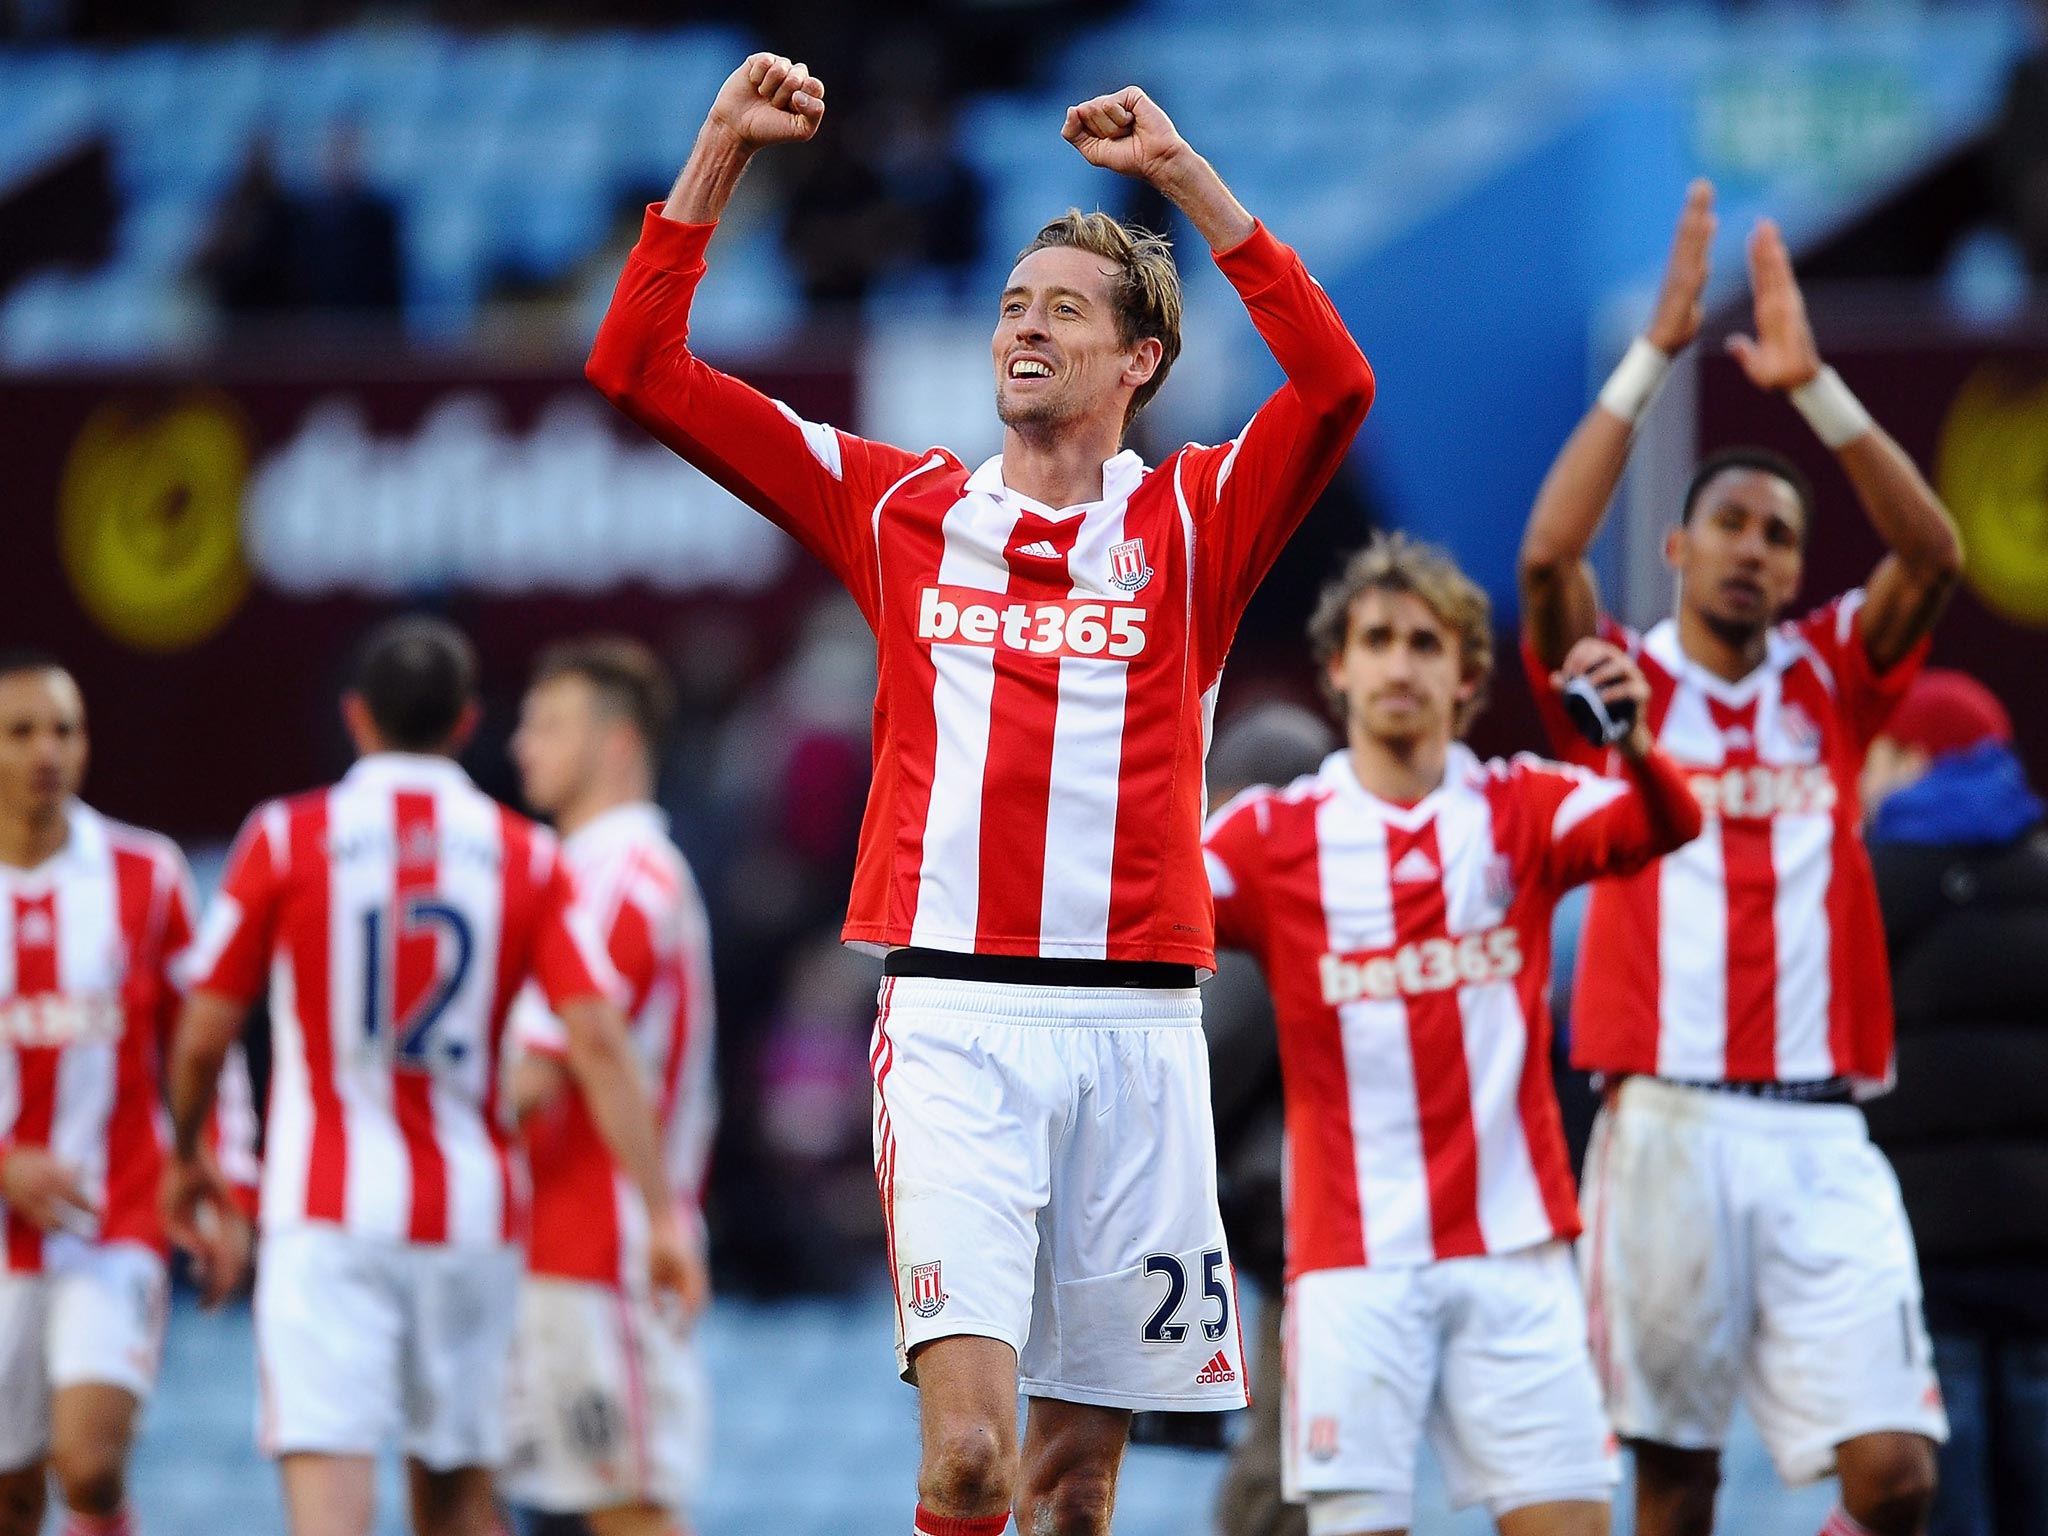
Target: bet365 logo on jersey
[(1068, 626), (1761, 792), (1427, 965)]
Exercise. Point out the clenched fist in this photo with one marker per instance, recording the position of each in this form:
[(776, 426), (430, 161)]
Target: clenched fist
[(1127, 133), (769, 100)]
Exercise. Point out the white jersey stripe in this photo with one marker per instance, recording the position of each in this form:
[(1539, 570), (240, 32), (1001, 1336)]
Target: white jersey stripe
[(288, 1133), (1802, 853), (1692, 1040), (377, 1194), (1496, 1045), (468, 878)]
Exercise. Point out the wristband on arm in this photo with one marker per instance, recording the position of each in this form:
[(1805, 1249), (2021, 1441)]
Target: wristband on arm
[(1831, 409), (1635, 380)]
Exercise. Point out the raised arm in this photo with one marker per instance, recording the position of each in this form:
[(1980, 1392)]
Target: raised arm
[(1560, 605), (1251, 494), (814, 481), (1912, 583)]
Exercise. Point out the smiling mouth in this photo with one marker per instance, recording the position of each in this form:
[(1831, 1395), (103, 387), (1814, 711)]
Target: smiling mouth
[(1029, 368), (1741, 587)]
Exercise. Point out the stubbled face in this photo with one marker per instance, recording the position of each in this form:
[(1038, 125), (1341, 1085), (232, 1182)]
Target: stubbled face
[(558, 743), (1056, 353), (1740, 557), (42, 742), (1401, 672)]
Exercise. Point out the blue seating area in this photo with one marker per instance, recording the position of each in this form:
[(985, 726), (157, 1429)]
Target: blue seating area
[(513, 154)]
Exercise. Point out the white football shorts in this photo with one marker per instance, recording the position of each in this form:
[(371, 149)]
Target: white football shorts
[(1754, 1247), (94, 1313), (1487, 1356), (362, 1341), (1047, 1167), (608, 1404)]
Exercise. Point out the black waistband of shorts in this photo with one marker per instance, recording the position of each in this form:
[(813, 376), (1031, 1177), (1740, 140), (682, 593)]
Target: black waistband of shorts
[(1037, 970), (1819, 1090)]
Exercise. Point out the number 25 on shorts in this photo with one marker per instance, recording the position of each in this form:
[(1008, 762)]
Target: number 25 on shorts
[(1165, 1326)]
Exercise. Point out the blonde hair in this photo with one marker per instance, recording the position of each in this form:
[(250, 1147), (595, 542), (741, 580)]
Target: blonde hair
[(1393, 562), (1147, 296)]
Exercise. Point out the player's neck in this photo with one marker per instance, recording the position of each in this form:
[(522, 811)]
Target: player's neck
[(1728, 653), (26, 841), (596, 802), (1060, 468), (1401, 772)]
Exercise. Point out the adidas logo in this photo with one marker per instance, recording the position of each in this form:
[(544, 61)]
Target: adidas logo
[(1415, 867), (1216, 1372), (1044, 549)]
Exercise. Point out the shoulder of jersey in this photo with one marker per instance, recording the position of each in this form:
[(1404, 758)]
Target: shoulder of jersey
[(154, 846)]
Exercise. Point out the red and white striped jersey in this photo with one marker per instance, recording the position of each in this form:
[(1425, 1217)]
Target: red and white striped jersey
[(588, 1219), (1407, 949), (1757, 952), (394, 917), (87, 1003), (1047, 675)]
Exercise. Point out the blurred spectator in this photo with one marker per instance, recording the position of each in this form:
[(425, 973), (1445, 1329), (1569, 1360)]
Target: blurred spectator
[(938, 194), (1961, 857), (2020, 150), (841, 223), (332, 251), (1267, 744)]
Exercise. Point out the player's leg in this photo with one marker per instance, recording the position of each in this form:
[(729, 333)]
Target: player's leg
[(1843, 1373), (450, 1501), (1518, 1425), (1887, 1482), (967, 1420), (1668, 1293), (108, 1304), (327, 1495), (634, 1520), (23, 1494), (1675, 1489), (92, 1426), (461, 1309), (24, 1403), (1067, 1481), (969, 1092), (329, 1349)]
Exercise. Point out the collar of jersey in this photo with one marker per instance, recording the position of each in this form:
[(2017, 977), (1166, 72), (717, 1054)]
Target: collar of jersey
[(84, 838), (620, 821), (406, 768), (1120, 477), (1459, 765), (1662, 645)]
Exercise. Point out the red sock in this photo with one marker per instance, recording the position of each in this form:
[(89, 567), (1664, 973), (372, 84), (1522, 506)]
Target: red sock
[(119, 1523), (929, 1524), (1842, 1523)]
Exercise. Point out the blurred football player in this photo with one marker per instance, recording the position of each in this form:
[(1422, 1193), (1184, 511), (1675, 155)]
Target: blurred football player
[(1052, 626), (93, 916), (1744, 1238), (1399, 900), (608, 1398), (393, 918)]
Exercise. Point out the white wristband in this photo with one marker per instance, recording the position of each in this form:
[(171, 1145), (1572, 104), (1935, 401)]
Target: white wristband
[(1635, 380), (1835, 414)]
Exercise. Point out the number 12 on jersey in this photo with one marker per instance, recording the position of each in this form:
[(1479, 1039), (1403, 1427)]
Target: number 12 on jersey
[(412, 1038)]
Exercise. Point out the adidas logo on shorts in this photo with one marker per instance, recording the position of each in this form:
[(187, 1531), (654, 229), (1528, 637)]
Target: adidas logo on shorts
[(1216, 1372)]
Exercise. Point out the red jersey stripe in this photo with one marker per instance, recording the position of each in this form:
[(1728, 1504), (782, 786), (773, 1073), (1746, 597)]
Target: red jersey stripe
[(35, 975), (313, 990), (1436, 1043), (134, 1150)]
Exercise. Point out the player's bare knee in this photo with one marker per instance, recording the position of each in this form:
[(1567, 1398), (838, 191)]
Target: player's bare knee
[(1888, 1482), (1079, 1503), (968, 1467), (23, 1493), (90, 1475), (1675, 1489)]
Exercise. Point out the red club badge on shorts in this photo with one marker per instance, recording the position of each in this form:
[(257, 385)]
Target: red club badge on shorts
[(927, 1296), (1322, 1438), (1127, 568)]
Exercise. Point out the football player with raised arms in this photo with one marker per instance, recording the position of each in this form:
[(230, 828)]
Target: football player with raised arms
[(1743, 1236), (1052, 626), (393, 917), (1399, 900)]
